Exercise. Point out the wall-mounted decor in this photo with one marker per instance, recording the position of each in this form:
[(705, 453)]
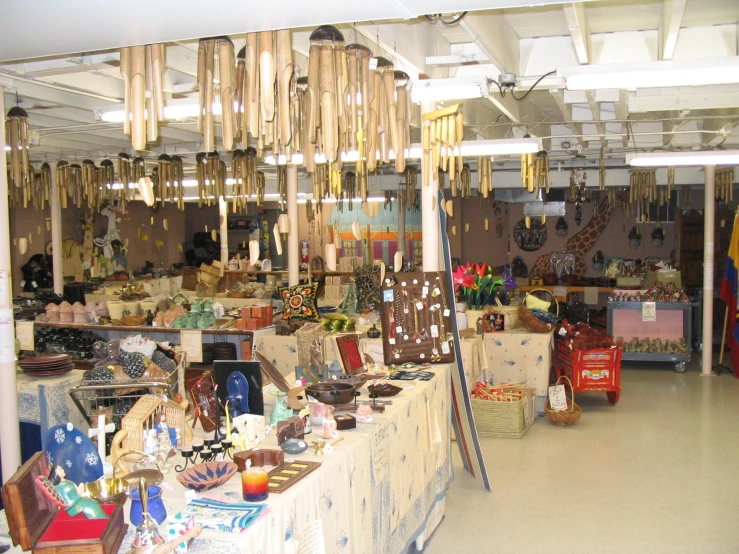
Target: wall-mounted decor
[(530, 239)]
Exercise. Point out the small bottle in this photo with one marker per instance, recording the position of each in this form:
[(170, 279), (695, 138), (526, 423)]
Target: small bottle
[(329, 427)]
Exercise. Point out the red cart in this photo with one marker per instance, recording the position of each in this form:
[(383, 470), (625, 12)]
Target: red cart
[(597, 370)]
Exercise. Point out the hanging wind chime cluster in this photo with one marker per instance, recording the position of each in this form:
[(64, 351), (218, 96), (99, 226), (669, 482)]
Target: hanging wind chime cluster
[(643, 189), (442, 132), (91, 186), (535, 172), (725, 184), (21, 172), (142, 70)]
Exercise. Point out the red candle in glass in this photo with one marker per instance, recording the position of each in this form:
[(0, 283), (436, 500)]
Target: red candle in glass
[(255, 484)]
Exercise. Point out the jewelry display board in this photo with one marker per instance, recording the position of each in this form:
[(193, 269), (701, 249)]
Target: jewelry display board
[(416, 319)]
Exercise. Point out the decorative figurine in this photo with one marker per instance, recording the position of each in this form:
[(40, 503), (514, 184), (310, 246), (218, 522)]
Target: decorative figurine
[(64, 494), (162, 427), (318, 446)]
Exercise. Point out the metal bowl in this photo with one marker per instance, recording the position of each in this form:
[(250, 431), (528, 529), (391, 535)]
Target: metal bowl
[(107, 491), (331, 392)]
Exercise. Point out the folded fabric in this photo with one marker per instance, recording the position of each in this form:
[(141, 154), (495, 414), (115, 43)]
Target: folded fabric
[(222, 516)]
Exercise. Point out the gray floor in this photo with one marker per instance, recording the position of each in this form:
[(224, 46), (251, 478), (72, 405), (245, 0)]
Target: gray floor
[(659, 472)]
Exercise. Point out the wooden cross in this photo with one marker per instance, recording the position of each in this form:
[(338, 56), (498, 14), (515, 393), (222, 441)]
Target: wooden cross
[(100, 431)]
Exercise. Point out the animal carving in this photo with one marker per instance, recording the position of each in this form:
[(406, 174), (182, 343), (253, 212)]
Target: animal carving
[(581, 243)]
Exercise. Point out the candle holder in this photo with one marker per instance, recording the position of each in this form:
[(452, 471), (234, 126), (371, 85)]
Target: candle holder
[(208, 442), (217, 450), (227, 447), (188, 454)]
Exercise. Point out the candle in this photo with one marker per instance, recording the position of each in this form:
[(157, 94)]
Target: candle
[(254, 484), (198, 447)]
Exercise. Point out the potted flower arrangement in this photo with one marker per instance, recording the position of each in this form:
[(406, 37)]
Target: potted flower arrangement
[(475, 285)]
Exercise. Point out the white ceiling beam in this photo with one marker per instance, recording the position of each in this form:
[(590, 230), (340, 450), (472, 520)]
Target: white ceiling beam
[(595, 110), (506, 105), (565, 110), (670, 127), (577, 23), (669, 26), (717, 130), (622, 113), (682, 99), (495, 38)]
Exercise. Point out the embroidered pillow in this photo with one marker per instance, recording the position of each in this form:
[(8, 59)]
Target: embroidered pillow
[(300, 302)]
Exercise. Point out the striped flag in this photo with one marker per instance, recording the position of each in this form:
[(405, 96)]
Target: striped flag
[(728, 293)]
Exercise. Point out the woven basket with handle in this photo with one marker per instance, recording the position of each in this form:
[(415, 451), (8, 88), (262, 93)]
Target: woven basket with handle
[(569, 416), (529, 320), (509, 313)]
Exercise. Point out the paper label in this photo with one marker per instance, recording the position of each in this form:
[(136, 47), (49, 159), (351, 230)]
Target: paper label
[(446, 312), (192, 344), (310, 540), (373, 63), (419, 305), (649, 311), (7, 336), (425, 290), (391, 341), (190, 496), (435, 331), (558, 398), (562, 331), (559, 291), (388, 295), (445, 347), (24, 334), (399, 329)]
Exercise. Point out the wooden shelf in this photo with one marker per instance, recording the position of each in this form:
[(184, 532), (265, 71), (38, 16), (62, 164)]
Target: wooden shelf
[(143, 329)]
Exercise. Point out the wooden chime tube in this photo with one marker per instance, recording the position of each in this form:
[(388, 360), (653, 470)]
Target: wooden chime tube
[(208, 120), (226, 70), (313, 91), (388, 78), (284, 79), (202, 52), (138, 97), (267, 75), (252, 88), (351, 96), (152, 130), (329, 123), (125, 61), (158, 62), (402, 125)]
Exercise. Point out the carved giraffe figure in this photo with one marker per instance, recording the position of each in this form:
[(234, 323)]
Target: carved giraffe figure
[(581, 243)]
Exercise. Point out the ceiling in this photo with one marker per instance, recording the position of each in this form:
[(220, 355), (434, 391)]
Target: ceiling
[(70, 67)]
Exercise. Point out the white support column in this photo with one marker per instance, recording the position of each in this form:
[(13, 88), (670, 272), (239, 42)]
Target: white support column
[(293, 246), (429, 207), (10, 442), (223, 222), (708, 248), (57, 256)]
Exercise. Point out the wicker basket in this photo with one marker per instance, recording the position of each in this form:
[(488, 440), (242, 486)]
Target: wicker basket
[(529, 320), (573, 412), (505, 419), (509, 313)]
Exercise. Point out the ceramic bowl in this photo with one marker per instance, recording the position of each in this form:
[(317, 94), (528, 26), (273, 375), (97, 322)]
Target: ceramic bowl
[(294, 446), (208, 475), (331, 392)]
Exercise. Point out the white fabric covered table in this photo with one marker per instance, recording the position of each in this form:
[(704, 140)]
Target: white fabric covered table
[(520, 356)]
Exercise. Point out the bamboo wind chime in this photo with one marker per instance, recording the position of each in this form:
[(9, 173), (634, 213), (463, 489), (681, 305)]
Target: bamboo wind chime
[(408, 187), (484, 176), (244, 171), (142, 70), (643, 189), (535, 172), (725, 184), (442, 133), (20, 170)]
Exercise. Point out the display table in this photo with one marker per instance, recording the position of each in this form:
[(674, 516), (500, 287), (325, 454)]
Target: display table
[(374, 493), (282, 351), (45, 401), (520, 356)]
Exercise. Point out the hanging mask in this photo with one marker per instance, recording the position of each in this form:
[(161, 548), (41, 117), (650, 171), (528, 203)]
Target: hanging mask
[(634, 238), (561, 227), (599, 261), (658, 237)]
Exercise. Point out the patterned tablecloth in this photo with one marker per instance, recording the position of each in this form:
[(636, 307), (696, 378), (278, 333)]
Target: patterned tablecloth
[(45, 401), (374, 493), (520, 356)]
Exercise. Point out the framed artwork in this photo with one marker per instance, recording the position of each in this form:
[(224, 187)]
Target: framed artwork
[(351, 357), (202, 392), (613, 267)]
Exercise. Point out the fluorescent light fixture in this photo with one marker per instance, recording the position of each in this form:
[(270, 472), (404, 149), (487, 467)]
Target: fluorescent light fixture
[(452, 88), (697, 158), (332, 200), (182, 108), (715, 71)]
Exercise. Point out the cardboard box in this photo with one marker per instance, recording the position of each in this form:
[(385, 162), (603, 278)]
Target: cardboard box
[(245, 312), (252, 324)]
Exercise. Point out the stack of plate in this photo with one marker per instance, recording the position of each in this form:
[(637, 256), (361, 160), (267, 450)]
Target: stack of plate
[(47, 366), (224, 351), (208, 353)]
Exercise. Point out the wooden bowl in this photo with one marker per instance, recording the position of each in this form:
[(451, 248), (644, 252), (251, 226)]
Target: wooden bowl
[(550, 279), (133, 320), (208, 475), (331, 392), (384, 389), (569, 279)]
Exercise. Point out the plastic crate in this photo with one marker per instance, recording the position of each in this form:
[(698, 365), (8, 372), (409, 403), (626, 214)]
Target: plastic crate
[(596, 370)]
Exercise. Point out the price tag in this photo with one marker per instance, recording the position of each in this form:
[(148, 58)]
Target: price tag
[(24, 334), (562, 331), (192, 344), (649, 311), (373, 63), (419, 305), (445, 347), (435, 331), (388, 295), (446, 312), (558, 398), (391, 341), (190, 496), (399, 329)]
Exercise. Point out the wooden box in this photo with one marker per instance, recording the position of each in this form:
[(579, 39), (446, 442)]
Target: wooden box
[(36, 523)]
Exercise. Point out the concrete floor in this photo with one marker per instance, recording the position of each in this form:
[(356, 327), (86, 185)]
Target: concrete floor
[(659, 472)]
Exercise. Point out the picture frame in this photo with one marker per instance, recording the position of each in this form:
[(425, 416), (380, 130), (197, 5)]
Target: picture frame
[(351, 357), (612, 268)]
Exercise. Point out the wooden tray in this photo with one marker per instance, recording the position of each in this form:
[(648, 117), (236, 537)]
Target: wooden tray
[(285, 476)]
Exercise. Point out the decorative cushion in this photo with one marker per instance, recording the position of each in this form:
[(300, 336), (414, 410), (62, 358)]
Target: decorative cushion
[(534, 303), (300, 302)]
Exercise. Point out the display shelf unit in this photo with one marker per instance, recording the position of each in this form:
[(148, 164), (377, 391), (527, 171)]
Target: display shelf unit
[(601, 290), (614, 308)]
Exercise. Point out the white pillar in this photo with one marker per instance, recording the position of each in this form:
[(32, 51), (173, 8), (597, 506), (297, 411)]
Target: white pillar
[(10, 441), (56, 235), (429, 207), (708, 248), (293, 245), (223, 220)]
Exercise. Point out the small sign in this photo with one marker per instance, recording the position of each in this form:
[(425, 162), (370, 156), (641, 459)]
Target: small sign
[(558, 398), (190, 496), (649, 311), (24, 334), (387, 295), (192, 344)]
